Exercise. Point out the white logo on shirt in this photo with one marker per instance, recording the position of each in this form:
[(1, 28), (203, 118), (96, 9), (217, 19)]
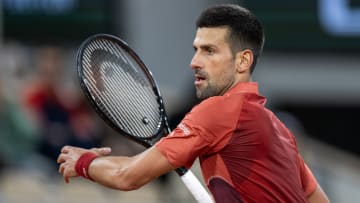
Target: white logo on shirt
[(185, 130)]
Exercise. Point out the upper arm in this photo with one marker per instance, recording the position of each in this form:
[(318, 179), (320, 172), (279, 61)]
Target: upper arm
[(318, 196), (308, 180), (312, 189)]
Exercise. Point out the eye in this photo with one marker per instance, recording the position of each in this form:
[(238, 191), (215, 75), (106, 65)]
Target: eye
[(210, 50)]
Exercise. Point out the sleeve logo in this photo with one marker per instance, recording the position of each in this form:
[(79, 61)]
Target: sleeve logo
[(184, 129)]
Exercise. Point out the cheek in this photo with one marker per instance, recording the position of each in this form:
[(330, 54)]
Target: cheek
[(217, 67), (224, 70), (221, 68), (220, 77)]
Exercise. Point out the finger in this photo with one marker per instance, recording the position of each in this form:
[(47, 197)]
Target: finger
[(65, 149), (62, 167), (66, 179), (61, 158), (102, 151)]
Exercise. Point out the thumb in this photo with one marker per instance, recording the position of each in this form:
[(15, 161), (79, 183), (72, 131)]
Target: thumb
[(102, 151)]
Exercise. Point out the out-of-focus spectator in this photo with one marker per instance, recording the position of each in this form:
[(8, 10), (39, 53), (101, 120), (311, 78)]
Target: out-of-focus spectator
[(87, 128), (17, 135), (59, 111)]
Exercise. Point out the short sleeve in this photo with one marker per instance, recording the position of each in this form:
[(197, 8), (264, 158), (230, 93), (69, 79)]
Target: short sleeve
[(216, 119), (205, 129), (182, 146)]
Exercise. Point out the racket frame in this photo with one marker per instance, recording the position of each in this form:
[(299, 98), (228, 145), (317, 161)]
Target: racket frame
[(163, 126)]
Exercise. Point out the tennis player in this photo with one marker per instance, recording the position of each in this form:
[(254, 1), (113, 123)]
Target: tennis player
[(246, 153)]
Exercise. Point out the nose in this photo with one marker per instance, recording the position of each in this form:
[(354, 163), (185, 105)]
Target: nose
[(195, 62)]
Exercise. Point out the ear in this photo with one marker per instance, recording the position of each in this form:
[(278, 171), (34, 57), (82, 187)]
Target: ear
[(244, 59)]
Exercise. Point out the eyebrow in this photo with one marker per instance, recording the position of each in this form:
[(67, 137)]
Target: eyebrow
[(204, 46)]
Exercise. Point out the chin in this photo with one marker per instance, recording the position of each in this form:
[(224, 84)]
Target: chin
[(202, 96)]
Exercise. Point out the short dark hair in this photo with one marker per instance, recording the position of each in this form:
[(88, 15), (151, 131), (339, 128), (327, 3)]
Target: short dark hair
[(246, 31)]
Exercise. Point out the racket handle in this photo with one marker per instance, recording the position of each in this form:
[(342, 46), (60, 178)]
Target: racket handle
[(195, 187)]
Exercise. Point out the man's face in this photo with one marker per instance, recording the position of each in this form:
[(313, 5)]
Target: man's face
[(213, 62)]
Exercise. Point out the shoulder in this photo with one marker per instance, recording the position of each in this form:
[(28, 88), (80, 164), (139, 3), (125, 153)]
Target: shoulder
[(216, 111), (217, 104)]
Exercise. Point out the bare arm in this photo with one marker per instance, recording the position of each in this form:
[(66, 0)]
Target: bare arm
[(117, 172), (129, 173), (318, 196)]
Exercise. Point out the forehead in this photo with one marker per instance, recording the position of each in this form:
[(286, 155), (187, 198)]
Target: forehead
[(213, 36)]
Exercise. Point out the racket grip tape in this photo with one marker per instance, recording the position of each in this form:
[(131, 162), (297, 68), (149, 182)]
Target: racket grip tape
[(83, 163), (196, 188)]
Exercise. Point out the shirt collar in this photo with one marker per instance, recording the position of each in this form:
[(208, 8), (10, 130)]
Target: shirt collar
[(244, 87)]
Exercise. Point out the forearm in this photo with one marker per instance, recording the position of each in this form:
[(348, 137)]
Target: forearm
[(113, 172), (129, 173)]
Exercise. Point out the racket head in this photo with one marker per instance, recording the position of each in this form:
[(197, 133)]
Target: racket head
[(121, 89)]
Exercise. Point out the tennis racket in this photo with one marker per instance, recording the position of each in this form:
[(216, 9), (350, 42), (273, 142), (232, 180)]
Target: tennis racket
[(124, 93)]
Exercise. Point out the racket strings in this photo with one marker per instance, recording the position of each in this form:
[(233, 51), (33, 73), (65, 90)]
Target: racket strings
[(130, 118), (151, 104), (123, 89), (106, 106), (124, 60), (131, 94), (109, 107)]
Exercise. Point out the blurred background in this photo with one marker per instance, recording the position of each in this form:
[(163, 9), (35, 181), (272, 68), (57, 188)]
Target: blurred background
[(310, 73)]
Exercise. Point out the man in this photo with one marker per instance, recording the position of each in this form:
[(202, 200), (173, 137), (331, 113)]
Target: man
[(246, 153)]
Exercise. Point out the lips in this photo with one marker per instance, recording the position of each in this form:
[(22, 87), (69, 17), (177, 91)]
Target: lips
[(199, 79)]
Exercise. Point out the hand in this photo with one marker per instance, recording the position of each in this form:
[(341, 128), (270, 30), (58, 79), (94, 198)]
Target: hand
[(69, 156)]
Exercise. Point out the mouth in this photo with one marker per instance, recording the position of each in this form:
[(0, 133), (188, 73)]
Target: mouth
[(199, 79)]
